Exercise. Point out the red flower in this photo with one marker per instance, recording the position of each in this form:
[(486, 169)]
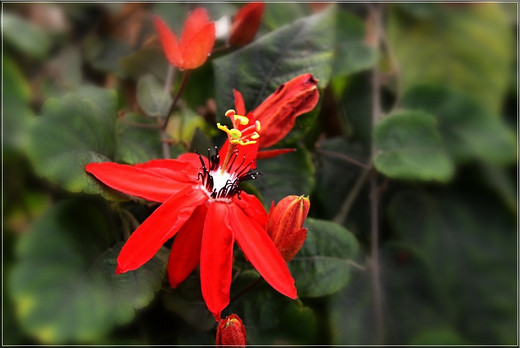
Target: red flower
[(231, 332), (278, 112), (285, 224), (204, 207), (196, 43), (246, 23)]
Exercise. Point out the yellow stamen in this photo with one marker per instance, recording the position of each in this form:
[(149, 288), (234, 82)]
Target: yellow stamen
[(241, 119)]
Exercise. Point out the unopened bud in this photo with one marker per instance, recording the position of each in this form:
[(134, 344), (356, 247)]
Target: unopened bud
[(285, 224), (231, 332)]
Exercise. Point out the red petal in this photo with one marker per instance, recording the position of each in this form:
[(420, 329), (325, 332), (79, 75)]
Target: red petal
[(216, 258), (141, 182), (162, 225), (273, 153), (185, 252), (197, 39), (278, 112), (252, 207), (168, 41), (240, 107), (182, 169), (245, 24), (262, 253)]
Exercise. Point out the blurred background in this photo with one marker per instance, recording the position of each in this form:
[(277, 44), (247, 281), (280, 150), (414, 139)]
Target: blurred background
[(448, 243)]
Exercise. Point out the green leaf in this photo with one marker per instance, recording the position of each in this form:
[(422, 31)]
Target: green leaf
[(441, 336), (187, 301), (147, 60), (282, 13), (410, 147), (323, 265), (152, 97), (469, 48), (468, 131), (352, 54), (288, 174), (25, 36), (104, 53), (256, 70), (73, 131), (137, 144), (64, 284), (17, 114)]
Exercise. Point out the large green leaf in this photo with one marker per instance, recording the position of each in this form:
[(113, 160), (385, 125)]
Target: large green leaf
[(468, 130), (73, 131), (352, 54), (187, 301), (152, 97), (137, 144), (323, 265), (469, 48), (64, 284), (288, 174), (410, 147), (256, 70)]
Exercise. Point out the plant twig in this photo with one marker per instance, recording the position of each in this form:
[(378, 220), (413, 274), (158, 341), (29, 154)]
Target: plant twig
[(246, 289), (343, 157), (375, 13), (342, 214), (184, 81)]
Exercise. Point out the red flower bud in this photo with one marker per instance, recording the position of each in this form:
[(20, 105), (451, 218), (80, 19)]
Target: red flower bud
[(231, 332), (246, 23), (196, 42), (284, 224)]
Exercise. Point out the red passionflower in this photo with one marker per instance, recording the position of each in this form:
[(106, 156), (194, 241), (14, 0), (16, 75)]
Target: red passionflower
[(204, 207), (278, 112), (195, 44), (246, 23)]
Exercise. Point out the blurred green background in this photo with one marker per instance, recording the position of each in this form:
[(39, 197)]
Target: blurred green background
[(76, 75)]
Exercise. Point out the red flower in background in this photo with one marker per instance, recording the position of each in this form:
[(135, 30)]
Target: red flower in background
[(203, 205), (195, 44), (231, 332), (246, 23), (278, 112)]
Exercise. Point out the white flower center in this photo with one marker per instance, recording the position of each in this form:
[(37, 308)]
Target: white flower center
[(221, 179)]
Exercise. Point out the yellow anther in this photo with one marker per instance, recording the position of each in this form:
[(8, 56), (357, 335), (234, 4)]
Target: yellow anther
[(241, 119), (230, 113), (257, 124), (255, 135)]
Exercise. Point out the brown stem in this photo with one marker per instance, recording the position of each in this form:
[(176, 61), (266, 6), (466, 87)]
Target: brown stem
[(246, 289), (184, 81), (375, 14)]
